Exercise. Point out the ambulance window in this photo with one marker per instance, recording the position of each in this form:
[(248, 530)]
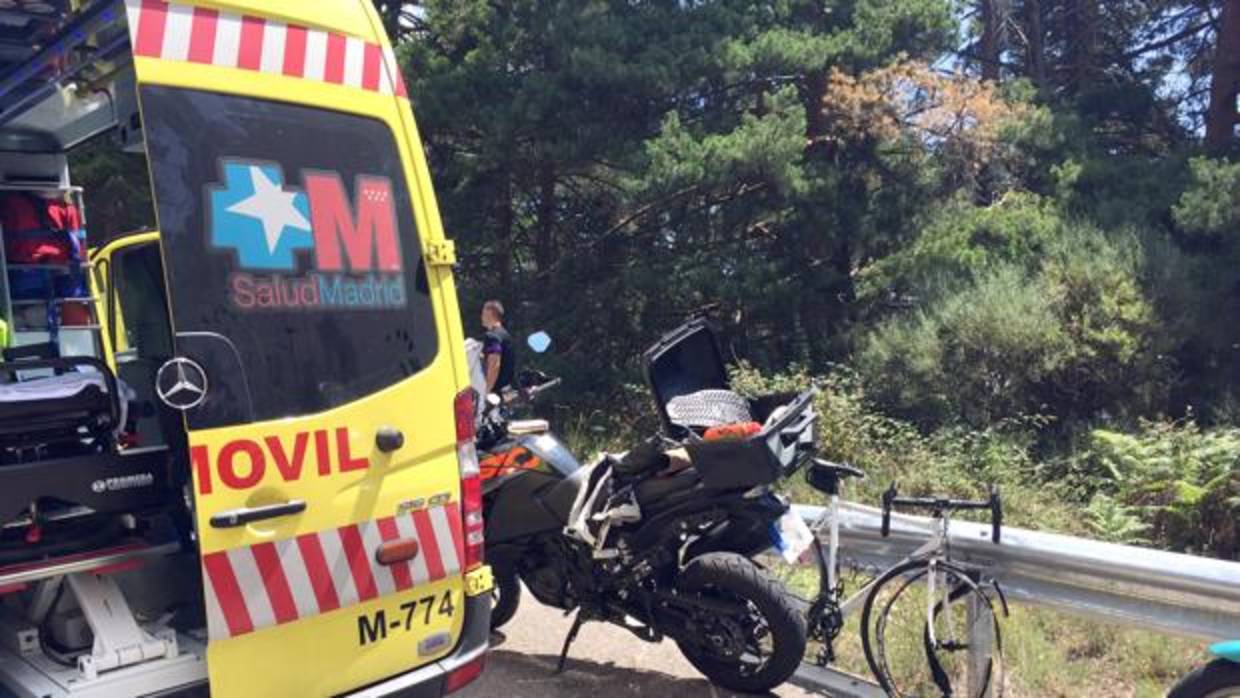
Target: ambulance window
[(289, 235), (141, 306)]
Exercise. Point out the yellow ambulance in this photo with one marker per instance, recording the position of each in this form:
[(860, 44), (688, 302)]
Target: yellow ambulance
[(236, 455)]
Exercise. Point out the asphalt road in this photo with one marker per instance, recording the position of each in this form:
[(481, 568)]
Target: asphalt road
[(605, 661)]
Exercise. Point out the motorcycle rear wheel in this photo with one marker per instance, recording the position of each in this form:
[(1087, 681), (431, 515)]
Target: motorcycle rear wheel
[(772, 630), (505, 596)]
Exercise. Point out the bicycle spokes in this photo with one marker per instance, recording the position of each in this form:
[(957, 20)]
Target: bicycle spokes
[(933, 633)]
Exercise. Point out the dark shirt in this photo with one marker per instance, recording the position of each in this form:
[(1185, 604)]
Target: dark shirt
[(498, 341)]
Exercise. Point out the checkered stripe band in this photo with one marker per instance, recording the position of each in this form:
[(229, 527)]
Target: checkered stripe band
[(277, 582), (178, 32)]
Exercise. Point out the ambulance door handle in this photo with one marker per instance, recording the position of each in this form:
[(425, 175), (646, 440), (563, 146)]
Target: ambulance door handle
[(234, 518)]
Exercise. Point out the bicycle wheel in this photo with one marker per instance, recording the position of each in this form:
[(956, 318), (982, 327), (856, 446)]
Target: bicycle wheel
[(929, 629)]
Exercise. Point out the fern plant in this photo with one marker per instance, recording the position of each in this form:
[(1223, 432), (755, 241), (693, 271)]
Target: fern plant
[(1183, 482), (1111, 521)]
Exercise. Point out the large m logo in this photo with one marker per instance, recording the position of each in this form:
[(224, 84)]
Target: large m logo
[(363, 232)]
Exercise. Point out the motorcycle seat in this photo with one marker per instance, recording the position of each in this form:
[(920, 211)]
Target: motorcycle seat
[(644, 460), (654, 489)]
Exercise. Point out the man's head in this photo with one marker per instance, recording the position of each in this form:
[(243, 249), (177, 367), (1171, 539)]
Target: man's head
[(492, 314)]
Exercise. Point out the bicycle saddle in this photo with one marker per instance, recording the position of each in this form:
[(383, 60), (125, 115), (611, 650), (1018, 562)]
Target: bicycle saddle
[(825, 476)]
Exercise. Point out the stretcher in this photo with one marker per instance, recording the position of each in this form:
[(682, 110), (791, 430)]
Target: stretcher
[(58, 445), (67, 406)]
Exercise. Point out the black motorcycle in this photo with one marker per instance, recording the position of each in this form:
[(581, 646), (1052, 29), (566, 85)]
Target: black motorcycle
[(660, 540)]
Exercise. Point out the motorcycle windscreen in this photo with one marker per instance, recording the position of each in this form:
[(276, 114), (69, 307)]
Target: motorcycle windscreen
[(683, 362)]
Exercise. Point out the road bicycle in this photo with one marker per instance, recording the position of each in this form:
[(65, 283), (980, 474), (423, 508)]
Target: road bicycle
[(928, 623)]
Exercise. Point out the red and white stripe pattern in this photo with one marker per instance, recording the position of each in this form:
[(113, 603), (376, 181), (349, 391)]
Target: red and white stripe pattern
[(277, 582), (179, 32)]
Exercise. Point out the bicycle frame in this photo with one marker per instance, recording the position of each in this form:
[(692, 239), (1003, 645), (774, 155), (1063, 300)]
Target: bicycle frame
[(938, 547)]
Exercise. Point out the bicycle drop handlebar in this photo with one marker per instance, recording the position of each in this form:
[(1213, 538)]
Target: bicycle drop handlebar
[(938, 505)]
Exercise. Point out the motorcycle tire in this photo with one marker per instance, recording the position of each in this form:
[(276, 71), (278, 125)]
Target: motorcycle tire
[(505, 597), (737, 577), (1218, 679)]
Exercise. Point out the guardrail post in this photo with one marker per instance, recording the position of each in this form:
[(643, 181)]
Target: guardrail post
[(981, 649)]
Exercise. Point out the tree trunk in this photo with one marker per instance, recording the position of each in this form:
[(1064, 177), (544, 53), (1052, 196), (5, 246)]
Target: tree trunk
[(1222, 117), (505, 220), (544, 244), (1035, 46), (990, 48), (824, 262), (1082, 31)]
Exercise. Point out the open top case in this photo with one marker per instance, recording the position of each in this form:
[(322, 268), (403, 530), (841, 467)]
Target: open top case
[(686, 361)]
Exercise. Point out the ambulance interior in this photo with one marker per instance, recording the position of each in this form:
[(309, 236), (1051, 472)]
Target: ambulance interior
[(100, 590)]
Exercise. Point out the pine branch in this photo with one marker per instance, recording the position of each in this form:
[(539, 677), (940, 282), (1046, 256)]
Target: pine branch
[(1164, 43)]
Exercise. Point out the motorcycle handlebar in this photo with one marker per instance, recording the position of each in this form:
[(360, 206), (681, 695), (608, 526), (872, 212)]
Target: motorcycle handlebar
[(539, 389), (939, 505), (531, 393)]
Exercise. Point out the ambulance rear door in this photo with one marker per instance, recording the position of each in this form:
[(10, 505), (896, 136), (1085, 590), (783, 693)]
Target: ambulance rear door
[(312, 361)]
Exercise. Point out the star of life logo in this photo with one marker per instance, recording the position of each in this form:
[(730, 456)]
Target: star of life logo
[(318, 246)]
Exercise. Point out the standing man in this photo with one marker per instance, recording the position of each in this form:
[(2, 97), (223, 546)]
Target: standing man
[(498, 359)]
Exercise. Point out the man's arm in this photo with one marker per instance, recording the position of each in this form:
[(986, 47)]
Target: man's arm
[(493, 362)]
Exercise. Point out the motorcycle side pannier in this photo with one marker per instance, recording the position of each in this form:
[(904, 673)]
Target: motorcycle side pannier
[(686, 362)]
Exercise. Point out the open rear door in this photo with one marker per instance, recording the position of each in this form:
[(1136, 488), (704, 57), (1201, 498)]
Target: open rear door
[(310, 364)]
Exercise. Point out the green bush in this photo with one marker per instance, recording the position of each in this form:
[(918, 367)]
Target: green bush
[(1093, 284), (979, 355), (1210, 206), (1063, 337), (961, 242)]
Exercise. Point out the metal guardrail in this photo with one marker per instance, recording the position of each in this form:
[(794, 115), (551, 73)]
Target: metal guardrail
[(1156, 590), (1150, 589)]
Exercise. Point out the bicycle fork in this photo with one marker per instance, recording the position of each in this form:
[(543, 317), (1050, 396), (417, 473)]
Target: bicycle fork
[(950, 643), (944, 606)]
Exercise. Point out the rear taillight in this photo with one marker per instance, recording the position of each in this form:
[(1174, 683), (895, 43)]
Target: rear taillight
[(464, 407), (465, 674), (471, 478)]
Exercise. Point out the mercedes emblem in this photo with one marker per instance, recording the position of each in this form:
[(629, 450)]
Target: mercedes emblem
[(181, 383)]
